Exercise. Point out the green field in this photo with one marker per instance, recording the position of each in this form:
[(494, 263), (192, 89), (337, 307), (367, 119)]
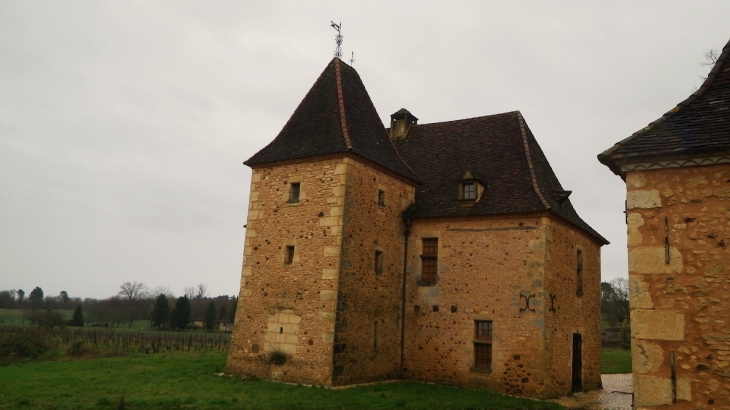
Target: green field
[(615, 361), (189, 380)]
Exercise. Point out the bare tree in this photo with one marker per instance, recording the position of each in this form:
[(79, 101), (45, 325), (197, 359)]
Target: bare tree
[(161, 290), (201, 290), (711, 58), (190, 292), (133, 290)]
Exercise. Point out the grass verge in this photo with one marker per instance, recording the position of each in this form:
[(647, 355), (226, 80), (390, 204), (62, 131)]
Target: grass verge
[(188, 380), (615, 361)]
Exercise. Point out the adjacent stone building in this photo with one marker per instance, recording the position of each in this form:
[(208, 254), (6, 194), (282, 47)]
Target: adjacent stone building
[(677, 173), (444, 252)]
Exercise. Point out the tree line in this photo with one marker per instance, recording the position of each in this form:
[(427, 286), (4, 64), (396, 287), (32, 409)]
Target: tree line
[(134, 301), (615, 308)]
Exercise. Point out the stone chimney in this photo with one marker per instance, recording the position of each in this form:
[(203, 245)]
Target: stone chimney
[(400, 122)]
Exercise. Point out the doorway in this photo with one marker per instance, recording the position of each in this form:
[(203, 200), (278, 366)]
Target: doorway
[(577, 363)]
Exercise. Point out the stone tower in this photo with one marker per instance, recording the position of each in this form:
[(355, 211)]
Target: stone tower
[(677, 173), (320, 292)]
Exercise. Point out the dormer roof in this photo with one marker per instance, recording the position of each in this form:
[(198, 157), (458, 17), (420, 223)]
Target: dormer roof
[(402, 113), (336, 116), (697, 127)]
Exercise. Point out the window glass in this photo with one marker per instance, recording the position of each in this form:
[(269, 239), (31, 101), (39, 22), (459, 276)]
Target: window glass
[(579, 273), (294, 192), (468, 190), (483, 355), (378, 262), (429, 260), (289, 256), (483, 329)]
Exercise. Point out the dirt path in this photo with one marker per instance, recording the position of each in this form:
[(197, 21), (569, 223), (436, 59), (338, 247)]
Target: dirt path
[(616, 395)]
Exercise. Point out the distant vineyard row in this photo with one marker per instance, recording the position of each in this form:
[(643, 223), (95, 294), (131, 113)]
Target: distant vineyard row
[(21, 342)]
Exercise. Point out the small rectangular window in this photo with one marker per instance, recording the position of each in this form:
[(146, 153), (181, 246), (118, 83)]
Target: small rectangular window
[(483, 330), (431, 247), (483, 344), (483, 355), (381, 197), (579, 273), (378, 262), (467, 190), (289, 257), (429, 260), (294, 192)]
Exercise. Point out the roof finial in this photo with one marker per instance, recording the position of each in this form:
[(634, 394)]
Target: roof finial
[(338, 38), (352, 59)]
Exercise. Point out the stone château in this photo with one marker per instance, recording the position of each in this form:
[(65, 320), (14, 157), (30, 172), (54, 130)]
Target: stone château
[(445, 252)]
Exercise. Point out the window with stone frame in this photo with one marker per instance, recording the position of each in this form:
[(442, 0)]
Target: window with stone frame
[(378, 262), (289, 255), (294, 189), (429, 259), (381, 197), (579, 273), (482, 344)]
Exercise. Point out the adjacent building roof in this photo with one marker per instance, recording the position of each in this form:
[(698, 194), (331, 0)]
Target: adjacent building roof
[(502, 151), (698, 126), (336, 116)]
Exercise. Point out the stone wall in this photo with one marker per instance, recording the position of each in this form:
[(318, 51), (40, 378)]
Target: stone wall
[(331, 318), (285, 311), (567, 312), (313, 321), (367, 327), (488, 269), (678, 237)]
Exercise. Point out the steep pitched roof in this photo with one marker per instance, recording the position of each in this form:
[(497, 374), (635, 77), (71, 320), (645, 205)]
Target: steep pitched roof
[(502, 151), (336, 116), (699, 125)]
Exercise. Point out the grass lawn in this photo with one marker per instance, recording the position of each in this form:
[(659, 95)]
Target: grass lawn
[(11, 316), (188, 380), (615, 361)]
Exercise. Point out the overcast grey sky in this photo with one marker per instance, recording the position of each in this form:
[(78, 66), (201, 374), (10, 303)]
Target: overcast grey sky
[(123, 124)]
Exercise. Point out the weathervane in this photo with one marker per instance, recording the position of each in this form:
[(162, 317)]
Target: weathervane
[(338, 38), (352, 59)]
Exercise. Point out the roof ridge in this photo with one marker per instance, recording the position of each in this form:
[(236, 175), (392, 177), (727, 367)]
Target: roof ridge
[(535, 185), (342, 104), (469, 119), (724, 56)]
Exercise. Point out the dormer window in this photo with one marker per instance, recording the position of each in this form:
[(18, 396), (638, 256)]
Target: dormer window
[(400, 122), (468, 191), (470, 188)]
